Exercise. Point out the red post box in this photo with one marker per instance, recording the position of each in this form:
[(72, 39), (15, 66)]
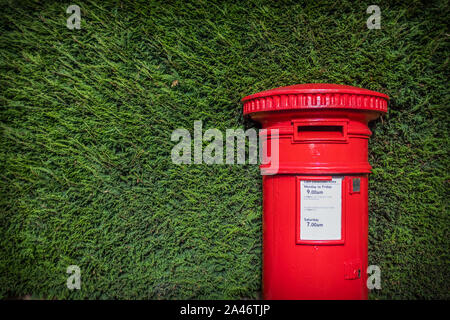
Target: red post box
[(315, 220)]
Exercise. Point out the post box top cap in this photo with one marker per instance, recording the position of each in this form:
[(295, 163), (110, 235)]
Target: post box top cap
[(314, 96)]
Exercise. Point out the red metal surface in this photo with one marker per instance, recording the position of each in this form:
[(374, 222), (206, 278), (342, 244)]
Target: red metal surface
[(323, 134)]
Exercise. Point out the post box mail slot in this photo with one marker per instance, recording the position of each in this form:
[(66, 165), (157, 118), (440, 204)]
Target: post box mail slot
[(320, 131)]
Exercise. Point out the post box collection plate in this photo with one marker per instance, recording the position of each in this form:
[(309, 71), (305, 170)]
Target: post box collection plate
[(320, 209)]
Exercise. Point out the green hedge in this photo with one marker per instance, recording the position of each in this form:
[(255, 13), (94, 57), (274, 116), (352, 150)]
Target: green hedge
[(86, 120)]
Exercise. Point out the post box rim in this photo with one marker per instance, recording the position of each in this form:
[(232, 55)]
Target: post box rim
[(315, 95)]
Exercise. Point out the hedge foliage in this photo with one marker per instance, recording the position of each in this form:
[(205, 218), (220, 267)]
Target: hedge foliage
[(86, 120)]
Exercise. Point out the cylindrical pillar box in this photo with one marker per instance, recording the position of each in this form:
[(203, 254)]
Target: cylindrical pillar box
[(315, 219)]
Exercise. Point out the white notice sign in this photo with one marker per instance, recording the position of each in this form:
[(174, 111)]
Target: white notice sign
[(320, 209)]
